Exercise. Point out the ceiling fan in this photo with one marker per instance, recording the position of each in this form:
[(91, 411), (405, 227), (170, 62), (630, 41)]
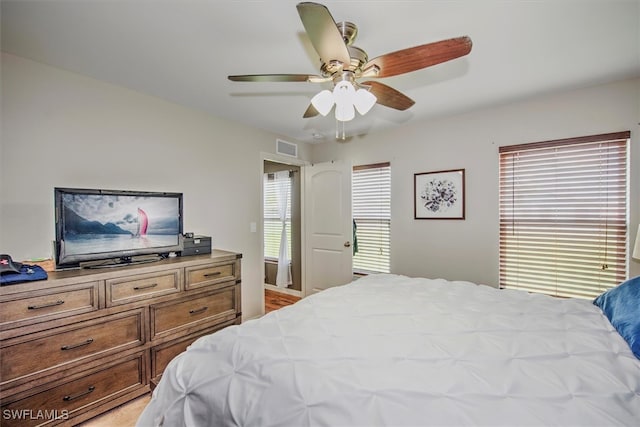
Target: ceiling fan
[(345, 65)]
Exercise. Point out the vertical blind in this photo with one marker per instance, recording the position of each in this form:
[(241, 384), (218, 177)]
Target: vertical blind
[(272, 225), (371, 200), (563, 215)]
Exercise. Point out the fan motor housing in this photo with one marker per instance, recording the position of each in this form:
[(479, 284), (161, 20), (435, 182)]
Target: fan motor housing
[(359, 57)]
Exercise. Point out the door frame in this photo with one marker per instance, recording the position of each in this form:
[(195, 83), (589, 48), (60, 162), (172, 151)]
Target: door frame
[(277, 158)]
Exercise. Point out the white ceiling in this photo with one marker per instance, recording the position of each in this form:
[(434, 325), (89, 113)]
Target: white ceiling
[(183, 51)]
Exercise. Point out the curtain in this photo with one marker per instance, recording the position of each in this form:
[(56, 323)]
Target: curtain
[(283, 277)]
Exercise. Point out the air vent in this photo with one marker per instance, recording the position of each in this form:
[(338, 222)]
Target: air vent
[(286, 148)]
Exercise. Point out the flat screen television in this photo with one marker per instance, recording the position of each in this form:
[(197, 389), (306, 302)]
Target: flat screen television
[(97, 228)]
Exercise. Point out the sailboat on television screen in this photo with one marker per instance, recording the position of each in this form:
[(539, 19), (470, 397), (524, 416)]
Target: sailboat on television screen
[(143, 223)]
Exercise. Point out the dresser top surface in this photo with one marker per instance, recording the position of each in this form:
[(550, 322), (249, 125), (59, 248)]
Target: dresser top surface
[(61, 277)]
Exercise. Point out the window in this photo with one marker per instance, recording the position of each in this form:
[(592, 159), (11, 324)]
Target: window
[(371, 196), (563, 215), (272, 225)]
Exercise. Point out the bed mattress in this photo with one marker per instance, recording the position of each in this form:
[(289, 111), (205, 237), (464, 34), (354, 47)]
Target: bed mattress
[(389, 350)]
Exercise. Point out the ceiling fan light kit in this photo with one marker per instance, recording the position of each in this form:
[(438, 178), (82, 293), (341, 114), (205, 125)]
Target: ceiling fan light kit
[(323, 102), (344, 64), (346, 98), (364, 101), (344, 94)]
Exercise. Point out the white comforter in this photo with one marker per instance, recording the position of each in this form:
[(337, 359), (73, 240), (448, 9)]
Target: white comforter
[(389, 350)]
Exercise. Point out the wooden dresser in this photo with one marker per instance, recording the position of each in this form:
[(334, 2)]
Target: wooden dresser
[(85, 341)]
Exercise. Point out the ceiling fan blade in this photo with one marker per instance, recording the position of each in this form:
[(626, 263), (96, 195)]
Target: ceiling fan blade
[(418, 57), (323, 32), (278, 78), (389, 97), (311, 112)]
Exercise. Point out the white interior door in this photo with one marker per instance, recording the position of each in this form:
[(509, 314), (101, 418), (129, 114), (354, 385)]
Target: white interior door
[(328, 226)]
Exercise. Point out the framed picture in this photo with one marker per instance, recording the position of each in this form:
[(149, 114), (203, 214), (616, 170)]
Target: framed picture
[(439, 195)]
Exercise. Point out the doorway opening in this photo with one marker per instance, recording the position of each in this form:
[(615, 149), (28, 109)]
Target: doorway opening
[(282, 225)]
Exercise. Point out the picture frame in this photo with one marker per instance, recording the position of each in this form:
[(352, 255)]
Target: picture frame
[(439, 194)]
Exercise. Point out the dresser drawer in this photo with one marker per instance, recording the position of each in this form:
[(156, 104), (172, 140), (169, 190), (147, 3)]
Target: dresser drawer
[(134, 288), (162, 354), (173, 316), (61, 402), (39, 306), (211, 274), (33, 355)]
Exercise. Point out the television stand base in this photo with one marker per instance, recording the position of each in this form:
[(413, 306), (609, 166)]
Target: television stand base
[(122, 261)]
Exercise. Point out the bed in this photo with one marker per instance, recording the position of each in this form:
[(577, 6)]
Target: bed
[(389, 350)]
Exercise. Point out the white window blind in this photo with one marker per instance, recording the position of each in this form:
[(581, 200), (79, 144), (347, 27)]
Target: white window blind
[(371, 199), (272, 225), (563, 215)]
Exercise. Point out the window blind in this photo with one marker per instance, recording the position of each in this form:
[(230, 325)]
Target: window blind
[(371, 207), (563, 215), (272, 226)]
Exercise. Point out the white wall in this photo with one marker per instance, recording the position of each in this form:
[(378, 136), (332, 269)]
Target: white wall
[(468, 249), (61, 129)]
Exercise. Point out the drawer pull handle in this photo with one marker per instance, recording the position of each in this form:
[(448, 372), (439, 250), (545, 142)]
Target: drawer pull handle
[(68, 398), (51, 304), (72, 346), (198, 311), (137, 288), (215, 273)]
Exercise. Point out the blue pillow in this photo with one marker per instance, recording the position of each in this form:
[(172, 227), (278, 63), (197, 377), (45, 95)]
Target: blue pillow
[(621, 305)]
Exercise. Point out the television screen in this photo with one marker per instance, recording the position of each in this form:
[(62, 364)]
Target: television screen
[(105, 224)]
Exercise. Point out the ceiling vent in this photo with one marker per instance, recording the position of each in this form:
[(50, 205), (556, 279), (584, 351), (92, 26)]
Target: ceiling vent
[(286, 148)]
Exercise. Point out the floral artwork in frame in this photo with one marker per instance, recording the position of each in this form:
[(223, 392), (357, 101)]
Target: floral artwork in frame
[(439, 195)]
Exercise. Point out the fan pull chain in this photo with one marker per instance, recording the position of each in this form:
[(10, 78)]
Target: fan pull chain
[(340, 133)]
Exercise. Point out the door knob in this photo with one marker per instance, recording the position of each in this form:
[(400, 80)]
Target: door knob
[(347, 244)]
